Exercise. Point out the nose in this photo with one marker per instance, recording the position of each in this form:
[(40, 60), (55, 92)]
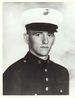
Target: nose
[(45, 39)]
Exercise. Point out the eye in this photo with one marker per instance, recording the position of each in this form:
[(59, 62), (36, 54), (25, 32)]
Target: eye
[(37, 34), (50, 34)]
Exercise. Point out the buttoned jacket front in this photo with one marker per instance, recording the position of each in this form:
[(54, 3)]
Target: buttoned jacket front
[(31, 75)]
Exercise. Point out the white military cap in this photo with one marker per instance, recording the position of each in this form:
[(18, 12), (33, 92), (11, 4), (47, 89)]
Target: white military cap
[(42, 15)]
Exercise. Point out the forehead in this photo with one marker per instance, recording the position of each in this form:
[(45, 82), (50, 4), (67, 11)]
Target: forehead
[(38, 31)]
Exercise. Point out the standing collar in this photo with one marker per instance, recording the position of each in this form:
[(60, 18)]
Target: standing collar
[(31, 58)]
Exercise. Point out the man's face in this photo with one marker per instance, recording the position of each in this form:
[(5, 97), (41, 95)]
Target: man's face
[(40, 42)]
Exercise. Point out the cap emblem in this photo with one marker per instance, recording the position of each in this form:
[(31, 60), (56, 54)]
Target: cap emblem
[(46, 11)]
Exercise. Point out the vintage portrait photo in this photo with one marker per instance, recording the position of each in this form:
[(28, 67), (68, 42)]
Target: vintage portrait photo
[(38, 48)]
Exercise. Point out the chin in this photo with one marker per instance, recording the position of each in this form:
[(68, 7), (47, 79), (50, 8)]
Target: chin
[(44, 54)]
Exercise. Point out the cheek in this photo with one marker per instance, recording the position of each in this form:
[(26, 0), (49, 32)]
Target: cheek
[(33, 42), (51, 40)]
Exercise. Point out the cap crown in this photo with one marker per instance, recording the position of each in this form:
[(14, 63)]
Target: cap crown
[(42, 15)]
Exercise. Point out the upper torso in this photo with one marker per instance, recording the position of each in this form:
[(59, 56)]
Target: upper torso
[(31, 75)]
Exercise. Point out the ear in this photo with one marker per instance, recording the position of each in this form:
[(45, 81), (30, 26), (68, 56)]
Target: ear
[(26, 37)]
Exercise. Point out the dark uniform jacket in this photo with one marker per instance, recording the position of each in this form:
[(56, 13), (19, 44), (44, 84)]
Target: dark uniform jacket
[(31, 75)]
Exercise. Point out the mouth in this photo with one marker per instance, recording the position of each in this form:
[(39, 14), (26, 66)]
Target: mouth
[(44, 47)]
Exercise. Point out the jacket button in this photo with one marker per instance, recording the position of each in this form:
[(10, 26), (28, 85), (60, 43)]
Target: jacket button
[(39, 61), (35, 94), (46, 79), (61, 91), (24, 61), (45, 70), (46, 88)]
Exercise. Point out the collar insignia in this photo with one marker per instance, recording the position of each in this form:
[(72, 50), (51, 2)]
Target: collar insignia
[(46, 11)]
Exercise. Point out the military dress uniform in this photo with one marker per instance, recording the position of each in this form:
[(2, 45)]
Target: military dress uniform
[(32, 75)]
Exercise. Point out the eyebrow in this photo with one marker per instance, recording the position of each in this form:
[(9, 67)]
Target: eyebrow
[(35, 32)]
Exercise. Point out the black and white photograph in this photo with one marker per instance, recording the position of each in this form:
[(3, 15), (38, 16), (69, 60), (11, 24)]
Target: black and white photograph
[(38, 48)]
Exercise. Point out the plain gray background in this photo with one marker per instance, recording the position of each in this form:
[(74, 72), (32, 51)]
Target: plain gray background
[(14, 46)]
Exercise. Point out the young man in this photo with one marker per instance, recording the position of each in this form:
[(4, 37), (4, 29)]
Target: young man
[(35, 73)]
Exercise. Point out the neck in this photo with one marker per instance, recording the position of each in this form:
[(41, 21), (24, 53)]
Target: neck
[(39, 56)]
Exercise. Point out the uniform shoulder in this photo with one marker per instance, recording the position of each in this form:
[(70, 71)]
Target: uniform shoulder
[(59, 67), (16, 66)]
